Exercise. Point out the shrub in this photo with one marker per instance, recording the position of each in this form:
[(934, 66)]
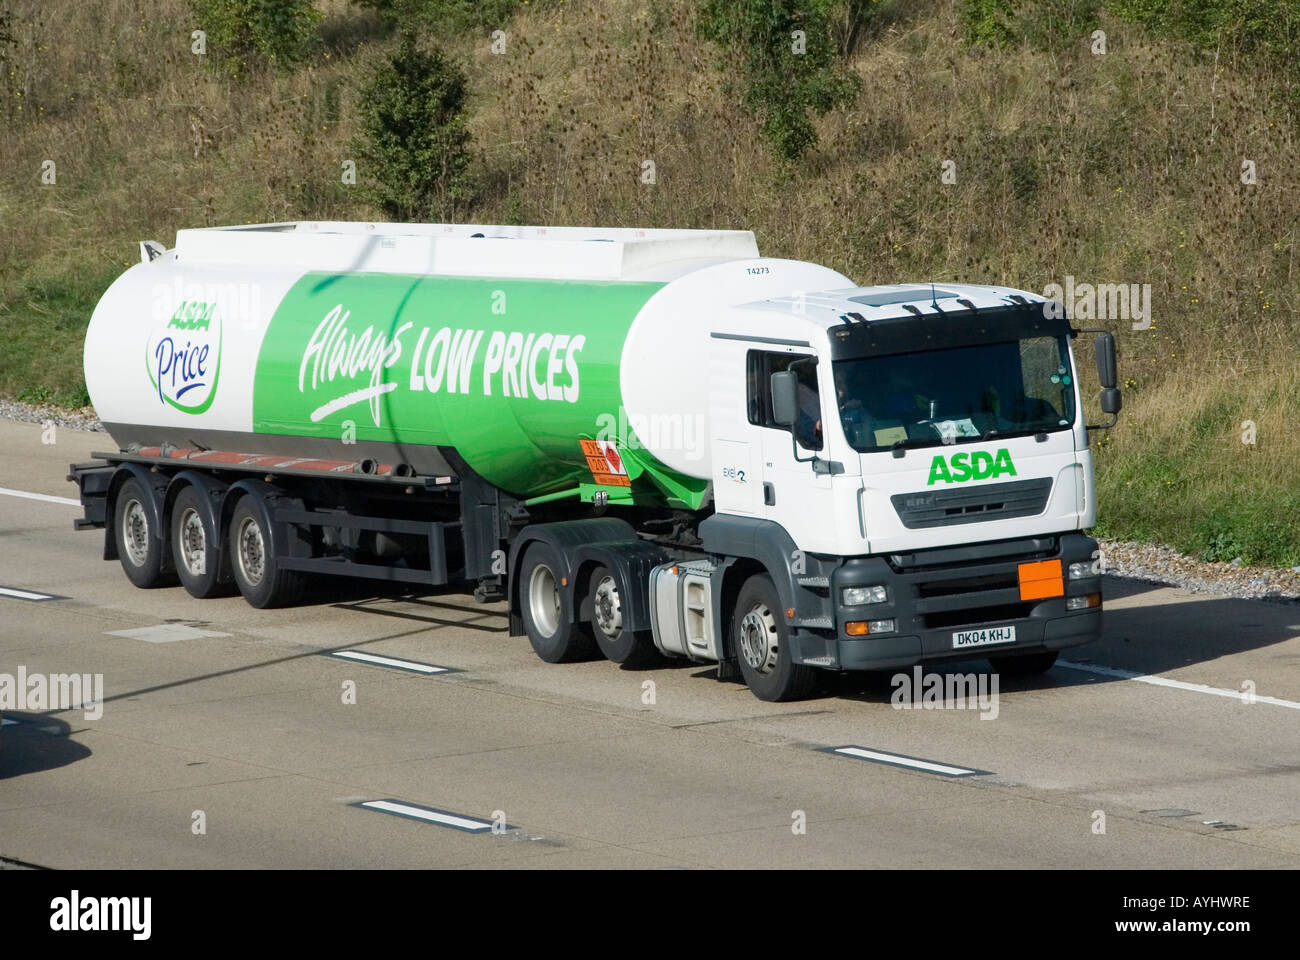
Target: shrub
[(413, 139), (243, 33), (781, 81)]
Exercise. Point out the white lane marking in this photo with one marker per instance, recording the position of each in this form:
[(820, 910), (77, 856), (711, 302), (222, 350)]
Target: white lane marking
[(425, 813), (1177, 684), (895, 759), (24, 594), (6, 722), (26, 495), (165, 633), (410, 665)]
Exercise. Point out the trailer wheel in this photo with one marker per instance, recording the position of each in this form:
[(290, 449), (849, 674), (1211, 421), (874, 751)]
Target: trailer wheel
[(1027, 665), (555, 637), (142, 550), (761, 641), (632, 648), (252, 557), (200, 564)]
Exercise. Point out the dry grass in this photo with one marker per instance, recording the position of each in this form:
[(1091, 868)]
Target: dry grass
[(1122, 168)]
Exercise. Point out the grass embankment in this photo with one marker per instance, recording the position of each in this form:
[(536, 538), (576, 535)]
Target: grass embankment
[(1122, 168)]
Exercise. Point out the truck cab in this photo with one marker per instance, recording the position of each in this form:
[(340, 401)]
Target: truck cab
[(915, 470), (909, 467)]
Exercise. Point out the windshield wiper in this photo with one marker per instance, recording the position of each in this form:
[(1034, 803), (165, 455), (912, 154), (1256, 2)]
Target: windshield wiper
[(899, 447)]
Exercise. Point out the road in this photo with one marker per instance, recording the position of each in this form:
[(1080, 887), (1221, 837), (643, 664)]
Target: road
[(225, 739)]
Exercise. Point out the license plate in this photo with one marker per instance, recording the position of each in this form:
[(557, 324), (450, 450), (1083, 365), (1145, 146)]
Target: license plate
[(983, 638)]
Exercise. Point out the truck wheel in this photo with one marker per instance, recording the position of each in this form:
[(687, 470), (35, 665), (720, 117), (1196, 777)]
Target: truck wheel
[(257, 574), (554, 636), (632, 648), (204, 572), (1028, 665), (142, 550), (761, 642)]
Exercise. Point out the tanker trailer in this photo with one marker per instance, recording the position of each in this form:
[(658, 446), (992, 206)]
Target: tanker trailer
[(648, 442)]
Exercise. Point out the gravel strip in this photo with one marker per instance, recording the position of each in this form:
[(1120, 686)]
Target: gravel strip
[(1145, 561), (83, 419), (1137, 561)]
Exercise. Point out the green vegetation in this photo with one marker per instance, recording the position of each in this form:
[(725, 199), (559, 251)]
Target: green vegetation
[(787, 61), (245, 33), (1127, 167), (1269, 27), (446, 14), (413, 138)]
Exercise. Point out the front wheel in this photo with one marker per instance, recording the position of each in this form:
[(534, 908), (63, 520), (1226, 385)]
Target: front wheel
[(761, 641)]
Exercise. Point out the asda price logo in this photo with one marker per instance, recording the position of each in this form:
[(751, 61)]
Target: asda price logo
[(980, 465), (183, 359)]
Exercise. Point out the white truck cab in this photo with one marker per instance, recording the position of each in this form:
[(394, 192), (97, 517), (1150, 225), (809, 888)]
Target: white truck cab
[(910, 464)]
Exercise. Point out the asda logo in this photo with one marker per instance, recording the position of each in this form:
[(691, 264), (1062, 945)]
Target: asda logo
[(980, 465), (183, 359), (193, 315)]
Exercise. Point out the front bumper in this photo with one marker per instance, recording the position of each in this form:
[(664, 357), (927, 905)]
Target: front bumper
[(933, 594)]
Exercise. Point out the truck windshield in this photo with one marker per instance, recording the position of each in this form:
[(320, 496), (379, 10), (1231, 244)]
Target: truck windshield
[(956, 395)]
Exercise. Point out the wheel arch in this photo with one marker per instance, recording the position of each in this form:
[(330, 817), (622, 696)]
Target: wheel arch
[(566, 538), (630, 563), (156, 484), (268, 496), (211, 504)]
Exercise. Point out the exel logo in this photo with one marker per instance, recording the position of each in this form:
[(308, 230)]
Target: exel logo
[(183, 360), (734, 474), (980, 465)]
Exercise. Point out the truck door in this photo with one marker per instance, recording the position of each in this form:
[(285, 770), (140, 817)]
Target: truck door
[(793, 494)]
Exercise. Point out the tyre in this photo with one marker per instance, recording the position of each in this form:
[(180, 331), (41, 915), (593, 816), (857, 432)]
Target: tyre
[(1026, 665), (632, 648), (252, 557), (555, 637), (142, 549), (196, 547), (761, 641)]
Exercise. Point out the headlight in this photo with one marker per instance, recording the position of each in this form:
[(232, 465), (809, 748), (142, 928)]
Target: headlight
[(856, 596), (1088, 568), (1083, 603)]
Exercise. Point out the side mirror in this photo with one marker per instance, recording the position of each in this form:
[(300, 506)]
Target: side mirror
[(785, 397), (1111, 401), (1105, 348)]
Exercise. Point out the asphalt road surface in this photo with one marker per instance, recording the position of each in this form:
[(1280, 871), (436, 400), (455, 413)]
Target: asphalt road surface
[(225, 739)]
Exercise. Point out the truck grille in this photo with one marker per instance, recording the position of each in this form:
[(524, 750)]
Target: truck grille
[(975, 615), (994, 501)]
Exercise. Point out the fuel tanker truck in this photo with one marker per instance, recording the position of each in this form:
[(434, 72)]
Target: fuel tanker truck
[(648, 443)]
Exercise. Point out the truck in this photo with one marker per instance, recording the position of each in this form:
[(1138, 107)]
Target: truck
[(649, 443)]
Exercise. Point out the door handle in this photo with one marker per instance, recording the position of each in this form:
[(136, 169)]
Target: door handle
[(769, 494)]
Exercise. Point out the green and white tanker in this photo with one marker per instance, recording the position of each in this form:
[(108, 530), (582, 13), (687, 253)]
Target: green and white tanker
[(728, 416)]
